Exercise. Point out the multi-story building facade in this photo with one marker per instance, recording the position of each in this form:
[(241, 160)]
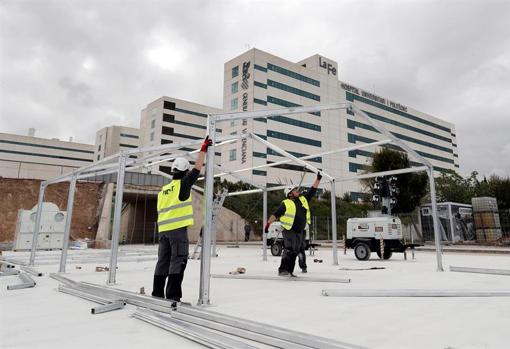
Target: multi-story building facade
[(257, 80), (111, 140), (32, 157), (171, 120)]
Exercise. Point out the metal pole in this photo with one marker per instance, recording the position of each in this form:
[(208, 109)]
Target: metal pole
[(205, 261), (264, 220), (37, 225), (67, 231), (333, 222), (116, 220), (434, 219)]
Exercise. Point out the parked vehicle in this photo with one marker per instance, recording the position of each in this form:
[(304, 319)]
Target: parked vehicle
[(364, 236)]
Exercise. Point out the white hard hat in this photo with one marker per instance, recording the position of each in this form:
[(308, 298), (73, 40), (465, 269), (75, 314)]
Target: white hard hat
[(180, 164), (287, 190)]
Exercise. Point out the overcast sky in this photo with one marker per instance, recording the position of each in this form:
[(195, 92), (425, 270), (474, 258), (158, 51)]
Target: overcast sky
[(68, 68)]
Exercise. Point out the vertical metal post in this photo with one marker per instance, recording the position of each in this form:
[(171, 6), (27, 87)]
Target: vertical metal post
[(116, 219), (264, 220), (37, 225), (437, 239), (333, 222), (205, 260), (67, 230)]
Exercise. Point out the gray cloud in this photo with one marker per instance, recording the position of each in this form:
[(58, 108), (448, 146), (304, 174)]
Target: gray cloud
[(71, 67)]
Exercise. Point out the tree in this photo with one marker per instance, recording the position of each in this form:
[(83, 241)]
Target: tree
[(411, 187)]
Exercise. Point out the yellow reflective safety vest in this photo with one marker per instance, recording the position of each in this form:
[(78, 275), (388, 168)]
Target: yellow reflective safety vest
[(287, 219), (172, 212)]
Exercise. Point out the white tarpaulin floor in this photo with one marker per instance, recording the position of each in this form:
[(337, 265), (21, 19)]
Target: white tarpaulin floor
[(41, 317)]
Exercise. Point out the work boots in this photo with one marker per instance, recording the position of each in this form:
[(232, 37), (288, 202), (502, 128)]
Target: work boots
[(158, 286), (173, 287)]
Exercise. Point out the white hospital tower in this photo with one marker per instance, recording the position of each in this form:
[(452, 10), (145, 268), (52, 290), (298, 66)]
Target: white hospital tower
[(258, 80)]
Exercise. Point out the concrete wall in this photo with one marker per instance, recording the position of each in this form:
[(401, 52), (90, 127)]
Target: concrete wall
[(16, 194)]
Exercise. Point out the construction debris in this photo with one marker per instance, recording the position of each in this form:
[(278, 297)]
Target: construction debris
[(239, 270), (102, 269)]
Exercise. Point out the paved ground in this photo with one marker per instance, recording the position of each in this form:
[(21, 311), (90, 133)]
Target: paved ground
[(41, 317)]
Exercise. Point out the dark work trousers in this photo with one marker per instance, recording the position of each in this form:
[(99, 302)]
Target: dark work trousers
[(291, 246), (172, 260), (301, 254)]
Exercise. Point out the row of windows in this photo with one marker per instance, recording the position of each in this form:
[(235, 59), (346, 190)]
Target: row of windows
[(46, 146), (191, 112), (352, 97), (259, 173), (128, 145), (351, 138), (261, 68), (293, 75), (128, 135), (292, 138), (354, 167), (289, 121), (257, 154), (287, 104), (259, 101), (43, 155), (296, 154), (293, 90), (259, 84), (353, 124), (171, 119), (407, 127)]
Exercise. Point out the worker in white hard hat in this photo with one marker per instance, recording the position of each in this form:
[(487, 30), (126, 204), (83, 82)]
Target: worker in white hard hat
[(175, 215), (293, 213)]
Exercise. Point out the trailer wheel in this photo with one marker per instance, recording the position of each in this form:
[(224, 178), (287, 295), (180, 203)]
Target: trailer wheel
[(387, 254), (362, 251), (276, 249)]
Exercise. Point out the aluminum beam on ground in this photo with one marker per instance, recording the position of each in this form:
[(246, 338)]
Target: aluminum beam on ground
[(31, 271), (85, 295), (415, 293), (190, 331), (281, 333), (480, 270), (279, 278), (112, 293), (9, 272), (108, 307), (274, 112), (26, 282), (239, 332)]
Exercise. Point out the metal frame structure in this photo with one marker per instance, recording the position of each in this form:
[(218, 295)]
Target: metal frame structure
[(121, 162)]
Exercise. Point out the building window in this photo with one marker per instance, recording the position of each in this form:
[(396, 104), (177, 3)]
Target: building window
[(169, 105), (233, 133), (168, 118), (235, 71), (235, 87), (167, 130), (128, 135), (232, 154), (153, 123), (152, 136), (98, 157), (99, 148), (233, 104)]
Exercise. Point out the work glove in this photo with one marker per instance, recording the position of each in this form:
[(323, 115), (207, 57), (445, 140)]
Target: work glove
[(319, 176), (266, 228), (207, 143)]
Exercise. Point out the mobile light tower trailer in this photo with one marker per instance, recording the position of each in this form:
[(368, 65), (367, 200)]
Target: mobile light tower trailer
[(380, 234)]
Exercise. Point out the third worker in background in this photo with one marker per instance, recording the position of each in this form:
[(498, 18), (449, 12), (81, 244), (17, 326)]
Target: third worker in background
[(294, 214)]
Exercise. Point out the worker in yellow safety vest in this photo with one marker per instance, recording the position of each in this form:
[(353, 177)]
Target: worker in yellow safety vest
[(294, 214), (175, 215)]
